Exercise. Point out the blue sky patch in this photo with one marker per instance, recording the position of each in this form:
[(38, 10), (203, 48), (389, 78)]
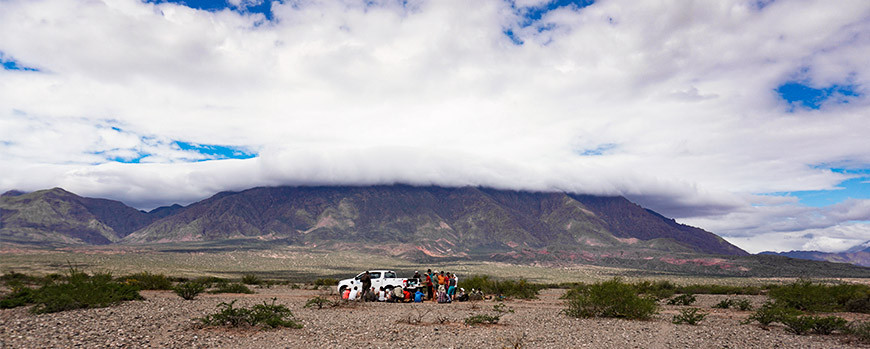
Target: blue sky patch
[(127, 160), (178, 151), (599, 150), (800, 94), (264, 7), (11, 64), (216, 152), (514, 38), (857, 187), (529, 16), (533, 14), (761, 4)]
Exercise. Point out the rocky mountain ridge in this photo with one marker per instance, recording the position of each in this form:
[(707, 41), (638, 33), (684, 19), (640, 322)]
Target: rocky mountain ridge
[(397, 219), (858, 255)]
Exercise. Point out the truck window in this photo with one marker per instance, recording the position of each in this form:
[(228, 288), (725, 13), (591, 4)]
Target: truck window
[(389, 274), (375, 275)]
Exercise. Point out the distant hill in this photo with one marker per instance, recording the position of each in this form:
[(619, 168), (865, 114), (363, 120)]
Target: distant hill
[(430, 221), (58, 216), (858, 255), (396, 220)]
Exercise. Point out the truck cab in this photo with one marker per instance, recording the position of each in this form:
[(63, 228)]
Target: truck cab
[(387, 279)]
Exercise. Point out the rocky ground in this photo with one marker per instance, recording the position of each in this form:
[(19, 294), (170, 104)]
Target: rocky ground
[(165, 320)]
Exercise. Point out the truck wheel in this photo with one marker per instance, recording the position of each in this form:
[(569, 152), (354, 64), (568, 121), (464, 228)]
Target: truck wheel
[(341, 290)]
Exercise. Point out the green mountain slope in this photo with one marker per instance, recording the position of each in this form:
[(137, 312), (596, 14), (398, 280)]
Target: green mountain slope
[(432, 221), (58, 216)]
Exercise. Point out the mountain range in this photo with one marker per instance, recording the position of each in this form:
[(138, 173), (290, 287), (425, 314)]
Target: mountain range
[(396, 219), (858, 255)]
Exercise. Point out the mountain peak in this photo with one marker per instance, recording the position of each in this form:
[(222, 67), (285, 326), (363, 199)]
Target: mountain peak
[(13, 192), (431, 220), (862, 247)]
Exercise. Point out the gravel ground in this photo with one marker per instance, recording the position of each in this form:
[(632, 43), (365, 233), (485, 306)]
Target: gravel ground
[(166, 321)]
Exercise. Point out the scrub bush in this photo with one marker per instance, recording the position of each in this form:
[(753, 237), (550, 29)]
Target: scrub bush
[(683, 299), (231, 288), (148, 281), (262, 315), (690, 316), (189, 290), (613, 298)]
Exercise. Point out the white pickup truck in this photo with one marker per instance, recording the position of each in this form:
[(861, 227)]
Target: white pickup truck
[(380, 278)]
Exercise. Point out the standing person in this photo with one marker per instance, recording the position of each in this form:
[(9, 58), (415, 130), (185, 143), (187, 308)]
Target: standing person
[(429, 283), (451, 285), (442, 280), (366, 280)]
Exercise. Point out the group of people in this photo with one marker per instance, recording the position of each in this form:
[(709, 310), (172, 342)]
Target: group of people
[(434, 286), (440, 286)]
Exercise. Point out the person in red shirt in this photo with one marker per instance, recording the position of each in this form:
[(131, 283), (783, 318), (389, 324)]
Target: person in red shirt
[(429, 282)]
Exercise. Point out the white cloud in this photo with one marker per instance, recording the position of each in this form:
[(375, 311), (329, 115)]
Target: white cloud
[(434, 92), (836, 238)]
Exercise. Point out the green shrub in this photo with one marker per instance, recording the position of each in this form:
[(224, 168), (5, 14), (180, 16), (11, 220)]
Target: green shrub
[(815, 324), (481, 319), (858, 305), (498, 310), (690, 316), (797, 324), (809, 296), (265, 315), (325, 282), (251, 279), (724, 304), (659, 289), (20, 296), (318, 302), (612, 298), (83, 291), (231, 288), (743, 304), (861, 330), (210, 281), (189, 290), (827, 324), (272, 315), (683, 299), (521, 289), (148, 281), (575, 291), (13, 278), (719, 289), (769, 313)]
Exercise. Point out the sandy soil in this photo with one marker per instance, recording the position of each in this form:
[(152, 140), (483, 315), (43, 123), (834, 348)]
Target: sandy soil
[(166, 321)]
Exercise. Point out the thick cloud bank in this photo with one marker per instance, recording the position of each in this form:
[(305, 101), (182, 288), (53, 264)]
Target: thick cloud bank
[(676, 104)]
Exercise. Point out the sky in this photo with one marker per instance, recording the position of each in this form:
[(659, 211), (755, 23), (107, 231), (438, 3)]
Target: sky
[(750, 119)]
